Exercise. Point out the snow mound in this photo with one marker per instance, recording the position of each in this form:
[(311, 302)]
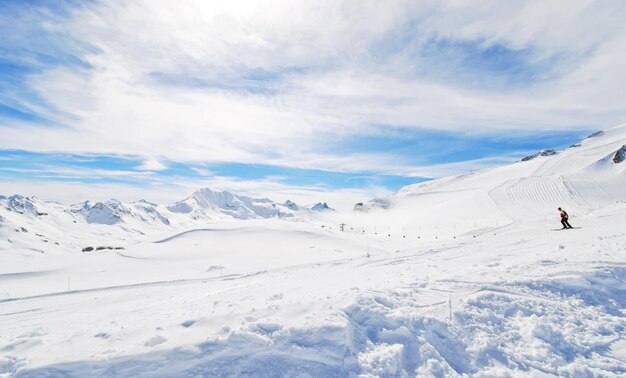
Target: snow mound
[(550, 327)]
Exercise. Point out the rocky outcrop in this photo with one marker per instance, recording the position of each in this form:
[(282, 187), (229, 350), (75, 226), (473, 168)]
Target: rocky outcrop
[(548, 152), (620, 155), (376, 203)]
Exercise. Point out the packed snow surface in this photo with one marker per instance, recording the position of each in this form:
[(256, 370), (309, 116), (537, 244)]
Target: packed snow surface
[(462, 276)]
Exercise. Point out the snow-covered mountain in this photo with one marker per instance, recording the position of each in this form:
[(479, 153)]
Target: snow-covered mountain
[(582, 178), (206, 203), (113, 221), (203, 204), (321, 207), (113, 212), (23, 205)]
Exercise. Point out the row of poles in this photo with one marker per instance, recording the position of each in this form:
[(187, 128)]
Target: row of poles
[(343, 228)]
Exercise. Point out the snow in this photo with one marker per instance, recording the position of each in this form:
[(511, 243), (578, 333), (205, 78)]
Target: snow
[(460, 276)]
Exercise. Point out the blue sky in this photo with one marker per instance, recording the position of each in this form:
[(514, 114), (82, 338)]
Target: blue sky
[(282, 98)]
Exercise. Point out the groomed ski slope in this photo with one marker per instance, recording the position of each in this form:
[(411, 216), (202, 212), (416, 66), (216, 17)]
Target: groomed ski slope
[(462, 276)]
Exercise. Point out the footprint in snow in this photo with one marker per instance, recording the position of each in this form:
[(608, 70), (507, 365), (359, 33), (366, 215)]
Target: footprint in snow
[(188, 323), (548, 262), (155, 340), (265, 328), (275, 297)]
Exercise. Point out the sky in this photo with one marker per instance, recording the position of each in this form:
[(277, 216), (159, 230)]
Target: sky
[(307, 100)]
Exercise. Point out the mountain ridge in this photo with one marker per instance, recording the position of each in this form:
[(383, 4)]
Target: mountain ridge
[(201, 204), (585, 176)]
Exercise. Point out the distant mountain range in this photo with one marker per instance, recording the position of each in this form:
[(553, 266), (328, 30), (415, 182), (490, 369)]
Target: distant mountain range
[(36, 224), (203, 204)]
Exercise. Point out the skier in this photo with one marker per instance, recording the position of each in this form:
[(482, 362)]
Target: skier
[(564, 218)]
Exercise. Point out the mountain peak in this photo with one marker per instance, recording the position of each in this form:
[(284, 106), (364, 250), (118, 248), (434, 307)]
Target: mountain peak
[(21, 204), (148, 203), (321, 206), (207, 203), (102, 213), (203, 192), (291, 205)]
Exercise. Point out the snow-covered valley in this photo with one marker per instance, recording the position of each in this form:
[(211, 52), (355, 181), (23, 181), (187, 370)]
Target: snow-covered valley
[(462, 276)]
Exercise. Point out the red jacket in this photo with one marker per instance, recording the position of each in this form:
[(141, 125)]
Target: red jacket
[(563, 214)]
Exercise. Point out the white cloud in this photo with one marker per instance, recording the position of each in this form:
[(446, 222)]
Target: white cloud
[(152, 165), (166, 78), (203, 171), (80, 173)]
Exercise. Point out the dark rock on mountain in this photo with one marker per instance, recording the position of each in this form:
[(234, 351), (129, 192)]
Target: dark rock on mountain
[(548, 152), (620, 155)]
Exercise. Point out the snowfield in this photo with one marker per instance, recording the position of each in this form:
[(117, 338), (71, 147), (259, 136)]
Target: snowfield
[(462, 276)]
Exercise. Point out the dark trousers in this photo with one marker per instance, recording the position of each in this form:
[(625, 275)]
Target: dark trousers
[(565, 223)]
